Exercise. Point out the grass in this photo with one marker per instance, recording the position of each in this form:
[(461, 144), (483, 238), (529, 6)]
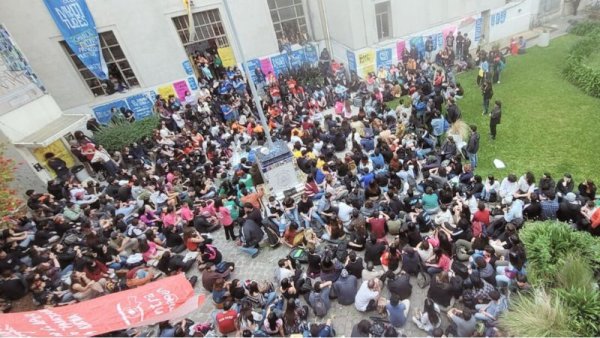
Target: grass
[(548, 125), (593, 61)]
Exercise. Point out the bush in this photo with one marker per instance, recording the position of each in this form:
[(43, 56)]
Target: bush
[(575, 273), (576, 70), (583, 305), (586, 28), (539, 315), (117, 135), (548, 244)]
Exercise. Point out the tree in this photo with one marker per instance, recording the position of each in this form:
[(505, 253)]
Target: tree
[(9, 201)]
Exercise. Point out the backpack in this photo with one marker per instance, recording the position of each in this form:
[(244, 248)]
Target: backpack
[(341, 251), (299, 254), (319, 308)]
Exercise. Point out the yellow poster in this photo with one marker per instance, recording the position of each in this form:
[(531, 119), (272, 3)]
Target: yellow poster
[(366, 62), (227, 56), (59, 149), (166, 91)]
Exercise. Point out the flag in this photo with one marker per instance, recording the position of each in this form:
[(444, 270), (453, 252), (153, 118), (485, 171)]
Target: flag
[(191, 26)]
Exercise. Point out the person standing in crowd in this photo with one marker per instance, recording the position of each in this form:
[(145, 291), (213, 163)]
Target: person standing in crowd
[(495, 118), (487, 92), (473, 146)]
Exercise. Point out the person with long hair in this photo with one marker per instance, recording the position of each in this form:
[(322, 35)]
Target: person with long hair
[(429, 318), (224, 217)]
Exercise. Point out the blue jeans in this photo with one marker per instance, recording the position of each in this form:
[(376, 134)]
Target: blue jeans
[(25, 243), (249, 250), (433, 270), (473, 158), (486, 106)]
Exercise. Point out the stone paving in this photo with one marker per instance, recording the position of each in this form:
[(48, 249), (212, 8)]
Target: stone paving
[(263, 268)]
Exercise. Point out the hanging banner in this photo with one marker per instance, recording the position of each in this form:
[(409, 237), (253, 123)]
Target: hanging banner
[(166, 299), (141, 105), (400, 46), (75, 23), (351, 61), (252, 66), (187, 67), (280, 63), (227, 56), (311, 54), (384, 58), (266, 66), (181, 88), (366, 62), (297, 58), (166, 91), (103, 113), (478, 28), (192, 82)]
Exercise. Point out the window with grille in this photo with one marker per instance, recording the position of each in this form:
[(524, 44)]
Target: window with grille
[(209, 31), (289, 21), (384, 20), (116, 62)]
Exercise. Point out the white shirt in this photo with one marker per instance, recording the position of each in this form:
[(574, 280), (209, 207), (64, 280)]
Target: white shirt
[(344, 212), (364, 296)]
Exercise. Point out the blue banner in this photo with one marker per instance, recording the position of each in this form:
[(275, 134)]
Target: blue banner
[(438, 40), (252, 65), (192, 82), (187, 66), (478, 28), (280, 64), (103, 112), (384, 58), (310, 53), (141, 106), (297, 58), (351, 61), (75, 23)]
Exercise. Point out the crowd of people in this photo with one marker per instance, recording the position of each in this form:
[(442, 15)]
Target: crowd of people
[(391, 196)]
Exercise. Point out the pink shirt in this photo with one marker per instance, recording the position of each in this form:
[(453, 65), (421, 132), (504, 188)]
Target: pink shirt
[(186, 214), (224, 216), (169, 219), (150, 252), (444, 263)]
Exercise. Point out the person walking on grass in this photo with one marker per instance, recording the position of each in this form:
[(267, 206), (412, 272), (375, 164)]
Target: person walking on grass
[(487, 92), (495, 117), (473, 146)]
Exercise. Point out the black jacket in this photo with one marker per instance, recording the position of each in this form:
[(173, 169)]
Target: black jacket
[(473, 145), (252, 232)]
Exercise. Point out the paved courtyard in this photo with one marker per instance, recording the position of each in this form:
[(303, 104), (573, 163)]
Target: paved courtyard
[(263, 268)]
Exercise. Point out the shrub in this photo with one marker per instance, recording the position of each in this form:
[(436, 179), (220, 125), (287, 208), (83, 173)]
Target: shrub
[(119, 134), (9, 202), (576, 70), (548, 244), (586, 28), (539, 314), (575, 273), (583, 305)]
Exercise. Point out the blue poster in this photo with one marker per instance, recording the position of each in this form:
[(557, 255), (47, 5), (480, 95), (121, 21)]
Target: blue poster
[(192, 82), (141, 106), (297, 58), (478, 27), (252, 65), (187, 66), (280, 64), (310, 53), (103, 113), (384, 57), (351, 61), (438, 41), (75, 23)]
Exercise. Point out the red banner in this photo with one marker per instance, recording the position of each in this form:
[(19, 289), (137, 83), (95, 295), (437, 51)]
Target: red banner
[(165, 299)]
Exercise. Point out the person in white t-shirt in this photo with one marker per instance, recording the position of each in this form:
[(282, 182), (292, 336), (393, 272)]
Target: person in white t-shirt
[(368, 295)]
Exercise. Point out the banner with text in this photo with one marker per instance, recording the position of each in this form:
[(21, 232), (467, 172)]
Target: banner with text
[(280, 63), (75, 23), (384, 57), (165, 299), (366, 62)]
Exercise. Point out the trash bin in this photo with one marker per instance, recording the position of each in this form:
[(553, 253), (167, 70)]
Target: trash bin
[(80, 173), (544, 39)]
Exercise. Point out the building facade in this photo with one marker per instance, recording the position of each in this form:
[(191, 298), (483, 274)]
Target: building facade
[(147, 43)]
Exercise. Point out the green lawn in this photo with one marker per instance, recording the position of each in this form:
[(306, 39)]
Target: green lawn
[(548, 125)]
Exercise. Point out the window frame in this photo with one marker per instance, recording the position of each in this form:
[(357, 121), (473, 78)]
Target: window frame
[(299, 20), (383, 10), (209, 25)]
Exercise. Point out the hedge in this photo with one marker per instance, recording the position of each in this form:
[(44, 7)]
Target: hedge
[(576, 70), (117, 135)]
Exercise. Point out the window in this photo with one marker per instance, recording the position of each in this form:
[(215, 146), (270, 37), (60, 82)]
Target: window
[(289, 21), (116, 62), (209, 31), (384, 20)]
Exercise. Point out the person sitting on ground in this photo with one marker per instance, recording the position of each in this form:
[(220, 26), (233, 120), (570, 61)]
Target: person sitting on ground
[(368, 295)]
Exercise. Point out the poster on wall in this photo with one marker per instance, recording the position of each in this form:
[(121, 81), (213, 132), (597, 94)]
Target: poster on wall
[(103, 112), (311, 54), (19, 85), (478, 28), (141, 105), (366, 62), (297, 58), (187, 67), (266, 66), (192, 82), (76, 25), (384, 58), (252, 66), (400, 46), (181, 88), (227, 56), (351, 61), (165, 91), (59, 150), (280, 63)]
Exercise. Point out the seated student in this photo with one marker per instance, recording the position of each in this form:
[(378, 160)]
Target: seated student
[(411, 262), (462, 322), (345, 288), (397, 311), (318, 299), (491, 311), (399, 285), (354, 265), (429, 318), (362, 329), (368, 295), (225, 320), (374, 250), (522, 45), (292, 236)]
